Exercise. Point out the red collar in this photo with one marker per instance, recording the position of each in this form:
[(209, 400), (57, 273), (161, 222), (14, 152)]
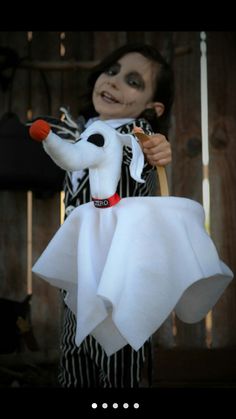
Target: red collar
[(106, 202)]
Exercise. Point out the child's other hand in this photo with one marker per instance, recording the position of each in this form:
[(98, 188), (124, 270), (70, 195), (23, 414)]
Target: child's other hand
[(157, 150)]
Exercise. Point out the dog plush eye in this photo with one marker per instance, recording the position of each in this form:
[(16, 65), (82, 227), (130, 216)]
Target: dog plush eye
[(96, 139)]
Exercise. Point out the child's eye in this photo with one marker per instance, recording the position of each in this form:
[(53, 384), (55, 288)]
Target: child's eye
[(133, 82), (113, 70), (136, 82)]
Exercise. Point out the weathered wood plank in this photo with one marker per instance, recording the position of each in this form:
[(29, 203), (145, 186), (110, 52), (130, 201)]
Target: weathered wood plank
[(78, 46), (15, 98), (186, 144), (13, 245), (200, 366), (222, 128), (106, 42), (45, 86), (13, 255), (165, 337), (46, 302)]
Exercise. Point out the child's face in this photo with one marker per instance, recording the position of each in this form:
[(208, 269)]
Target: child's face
[(126, 88)]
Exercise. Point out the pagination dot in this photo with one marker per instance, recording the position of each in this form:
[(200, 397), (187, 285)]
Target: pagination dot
[(115, 405), (94, 405), (104, 405), (125, 405), (136, 405)]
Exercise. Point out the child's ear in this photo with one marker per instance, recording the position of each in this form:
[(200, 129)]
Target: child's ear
[(158, 107)]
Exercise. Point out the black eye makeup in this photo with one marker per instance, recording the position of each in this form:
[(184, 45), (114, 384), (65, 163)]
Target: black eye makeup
[(133, 79), (113, 69)]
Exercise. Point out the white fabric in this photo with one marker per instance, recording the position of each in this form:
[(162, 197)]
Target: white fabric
[(104, 163), (113, 123), (125, 268)]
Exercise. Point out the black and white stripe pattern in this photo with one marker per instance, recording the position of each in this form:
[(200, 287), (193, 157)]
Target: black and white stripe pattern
[(88, 366)]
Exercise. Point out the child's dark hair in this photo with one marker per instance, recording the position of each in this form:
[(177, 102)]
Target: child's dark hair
[(163, 93)]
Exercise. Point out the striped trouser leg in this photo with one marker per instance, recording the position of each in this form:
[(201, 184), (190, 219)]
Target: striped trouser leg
[(124, 368), (75, 368), (89, 366)]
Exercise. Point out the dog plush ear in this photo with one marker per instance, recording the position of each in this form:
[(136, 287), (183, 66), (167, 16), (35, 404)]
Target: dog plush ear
[(137, 161)]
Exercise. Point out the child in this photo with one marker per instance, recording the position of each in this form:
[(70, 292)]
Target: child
[(131, 87)]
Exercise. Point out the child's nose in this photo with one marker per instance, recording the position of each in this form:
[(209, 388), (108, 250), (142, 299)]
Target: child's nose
[(115, 81)]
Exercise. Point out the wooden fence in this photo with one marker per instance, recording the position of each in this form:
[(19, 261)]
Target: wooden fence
[(51, 73)]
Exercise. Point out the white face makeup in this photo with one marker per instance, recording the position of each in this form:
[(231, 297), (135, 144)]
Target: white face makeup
[(126, 88)]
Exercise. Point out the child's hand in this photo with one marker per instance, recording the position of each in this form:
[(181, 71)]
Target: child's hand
[(39, 130), (157, 150)]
